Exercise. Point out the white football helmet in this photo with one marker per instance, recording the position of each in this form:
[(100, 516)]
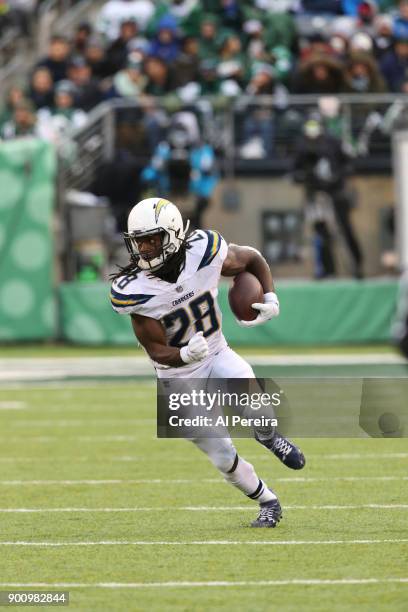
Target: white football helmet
[(155, 216)]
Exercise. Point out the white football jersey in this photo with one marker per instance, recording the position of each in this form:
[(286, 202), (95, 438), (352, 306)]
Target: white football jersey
[(185, 307)]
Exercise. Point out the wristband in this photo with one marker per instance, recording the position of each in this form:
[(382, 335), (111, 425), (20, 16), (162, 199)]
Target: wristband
[(271, 297), (184, 356)]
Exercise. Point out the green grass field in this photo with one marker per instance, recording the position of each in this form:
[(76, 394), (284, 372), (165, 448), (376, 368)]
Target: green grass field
[(90, 497)]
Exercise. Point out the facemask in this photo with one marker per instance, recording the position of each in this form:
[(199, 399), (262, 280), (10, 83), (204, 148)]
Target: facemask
[(360, 83)]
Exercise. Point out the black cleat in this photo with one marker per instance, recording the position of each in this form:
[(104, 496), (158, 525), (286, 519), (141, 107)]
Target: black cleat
[(270, 513), (285, 451)]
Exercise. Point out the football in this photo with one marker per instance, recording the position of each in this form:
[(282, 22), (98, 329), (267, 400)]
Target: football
[(245, 290)]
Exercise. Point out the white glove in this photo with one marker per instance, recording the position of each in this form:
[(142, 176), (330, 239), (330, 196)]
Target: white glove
[(196, 349), (267, 311)]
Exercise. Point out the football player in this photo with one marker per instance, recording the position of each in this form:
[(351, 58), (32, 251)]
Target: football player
[(170, 290)]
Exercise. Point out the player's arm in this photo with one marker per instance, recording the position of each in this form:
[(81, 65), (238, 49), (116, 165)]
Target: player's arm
[(152, 337), (246, 259)]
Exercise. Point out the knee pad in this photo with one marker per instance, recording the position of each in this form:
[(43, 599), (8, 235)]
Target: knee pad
[(223, 459), (221, 452)]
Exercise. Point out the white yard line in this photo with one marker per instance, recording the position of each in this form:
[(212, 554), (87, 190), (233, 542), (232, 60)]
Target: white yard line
[(37, 369), (295, 479), (11, 405), (204, 543), (102, 420), (264, 456), (327, 359), (102, 438), (201, 508), (214, 583)]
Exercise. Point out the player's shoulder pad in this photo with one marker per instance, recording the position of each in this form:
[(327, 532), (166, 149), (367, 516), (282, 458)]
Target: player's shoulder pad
[(213, 245), (127, 294)]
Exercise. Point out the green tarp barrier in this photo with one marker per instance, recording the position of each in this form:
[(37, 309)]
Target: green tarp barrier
[(312, 313), (27, 178)]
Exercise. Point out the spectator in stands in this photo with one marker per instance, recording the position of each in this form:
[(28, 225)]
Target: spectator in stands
[(64, 104), (119, 49), (279, 30), (255, 40), (338, 45), (382, 35), (158, 76), (129, 82), (166, 43), (208, 37), (319, 74), (361, 42), (366, 14), (258, 123), (232, 64), (400, 23), (342, 26), (81, 37), (57, 58), (184, 69), (363, 74), (209, 81), (87, 89), (41, 90), (181, 11), (58, 121), (14, 96), (95, 55), (114, 12), (315, 45), (350, 7), (231, 15), (394, 64), (22, 122)]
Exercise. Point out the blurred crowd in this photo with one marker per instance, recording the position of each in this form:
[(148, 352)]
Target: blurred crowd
[(184, 49)]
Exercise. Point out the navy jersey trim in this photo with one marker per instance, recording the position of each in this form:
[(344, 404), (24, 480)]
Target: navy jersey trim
[(123, 300), (213, 246)]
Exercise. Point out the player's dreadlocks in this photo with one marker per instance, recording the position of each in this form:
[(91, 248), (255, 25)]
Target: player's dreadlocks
[(169, 271)]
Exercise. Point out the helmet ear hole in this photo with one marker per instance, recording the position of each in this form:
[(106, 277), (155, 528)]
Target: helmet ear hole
[(165, 238)]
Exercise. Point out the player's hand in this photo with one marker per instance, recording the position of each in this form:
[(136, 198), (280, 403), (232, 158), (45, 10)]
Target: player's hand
[(196, 349), (268, 310)]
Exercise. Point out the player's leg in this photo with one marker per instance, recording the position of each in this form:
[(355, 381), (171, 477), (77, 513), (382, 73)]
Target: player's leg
[(228, 364), (241, 474), (235, 469)]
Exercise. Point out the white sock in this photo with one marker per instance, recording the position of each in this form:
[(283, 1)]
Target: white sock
[(243, 476)]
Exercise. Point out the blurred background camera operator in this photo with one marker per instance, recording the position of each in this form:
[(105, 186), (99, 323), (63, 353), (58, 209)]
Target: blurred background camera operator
[(322, 165)]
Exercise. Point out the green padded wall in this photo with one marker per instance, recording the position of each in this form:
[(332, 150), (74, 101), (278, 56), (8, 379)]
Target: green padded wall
[(335, 312), (27, 300)]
